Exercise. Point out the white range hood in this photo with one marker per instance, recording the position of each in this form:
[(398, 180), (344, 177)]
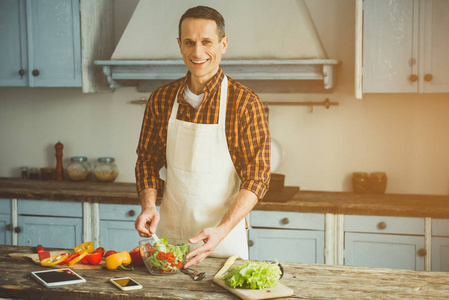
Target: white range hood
[(273, 46)]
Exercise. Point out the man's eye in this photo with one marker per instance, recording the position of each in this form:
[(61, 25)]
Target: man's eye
[(206, 42), (189, 43)]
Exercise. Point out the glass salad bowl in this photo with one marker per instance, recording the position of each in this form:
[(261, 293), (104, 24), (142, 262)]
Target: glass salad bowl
[(164, 257)]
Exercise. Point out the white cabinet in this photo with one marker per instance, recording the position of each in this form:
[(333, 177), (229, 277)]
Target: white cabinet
[(286, 236), (5, 222), (440, 245), (385, 242), (402, 46), (117, 231), (49, 223)]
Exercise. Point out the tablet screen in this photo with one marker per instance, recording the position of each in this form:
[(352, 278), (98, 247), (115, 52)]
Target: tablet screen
[(58, 277)]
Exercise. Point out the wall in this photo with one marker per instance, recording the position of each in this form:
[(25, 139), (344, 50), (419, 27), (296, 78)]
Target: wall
[(401, 134)]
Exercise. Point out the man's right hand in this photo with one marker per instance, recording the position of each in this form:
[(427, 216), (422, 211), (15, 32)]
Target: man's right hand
[(147, 221)]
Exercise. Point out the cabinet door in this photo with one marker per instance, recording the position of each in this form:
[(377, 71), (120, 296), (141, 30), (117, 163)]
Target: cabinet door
[(117, 231), (390, 47), (54, 42), (58, 232), (119, 235), (440, 254), (384, 251), (306, 246), (434, 51), (13, 43)]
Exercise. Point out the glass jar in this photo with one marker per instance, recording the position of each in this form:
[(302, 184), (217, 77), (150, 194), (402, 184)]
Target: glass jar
[(106, 169), (79, 169)]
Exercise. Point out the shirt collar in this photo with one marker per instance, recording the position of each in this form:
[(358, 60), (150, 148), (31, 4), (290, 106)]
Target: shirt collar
[(213, 84)]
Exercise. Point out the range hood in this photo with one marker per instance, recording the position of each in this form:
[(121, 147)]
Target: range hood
[(273, 47)]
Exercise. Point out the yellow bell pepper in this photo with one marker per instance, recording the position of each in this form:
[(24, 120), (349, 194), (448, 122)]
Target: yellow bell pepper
[(89, 246), (116, 260), (54, 260), (78, 258)]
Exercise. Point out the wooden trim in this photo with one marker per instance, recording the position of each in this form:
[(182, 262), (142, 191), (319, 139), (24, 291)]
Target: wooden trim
[(359, 49), (14, 214), (428, 244)]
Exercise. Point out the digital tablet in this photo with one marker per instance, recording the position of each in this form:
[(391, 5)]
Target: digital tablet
[(57, 277)]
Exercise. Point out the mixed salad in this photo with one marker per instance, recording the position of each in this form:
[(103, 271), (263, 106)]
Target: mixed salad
[(253, 275), (165, 258)]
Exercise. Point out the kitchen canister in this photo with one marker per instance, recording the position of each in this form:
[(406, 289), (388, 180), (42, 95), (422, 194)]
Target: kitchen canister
[(79, 169), (106, 169), (360, 182), (378, 182)]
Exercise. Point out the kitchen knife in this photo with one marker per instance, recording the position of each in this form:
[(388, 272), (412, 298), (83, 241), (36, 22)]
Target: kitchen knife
[(42, 253), (226, 266)]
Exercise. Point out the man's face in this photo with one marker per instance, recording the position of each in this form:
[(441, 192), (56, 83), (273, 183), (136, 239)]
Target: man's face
[(201, 47)]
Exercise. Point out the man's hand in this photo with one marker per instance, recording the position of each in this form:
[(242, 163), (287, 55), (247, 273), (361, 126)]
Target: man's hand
[(211, 238), (147, 221)]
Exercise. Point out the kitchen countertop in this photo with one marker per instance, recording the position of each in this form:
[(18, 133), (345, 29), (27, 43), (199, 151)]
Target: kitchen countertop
[(433, 206), (307, 280)]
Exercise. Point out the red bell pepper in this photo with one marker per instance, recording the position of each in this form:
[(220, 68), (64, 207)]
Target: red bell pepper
[(136, 257), (99, 250), (69, 258), (92, 258)]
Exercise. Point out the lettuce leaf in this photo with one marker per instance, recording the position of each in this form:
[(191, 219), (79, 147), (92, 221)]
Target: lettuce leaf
[(253, 275)]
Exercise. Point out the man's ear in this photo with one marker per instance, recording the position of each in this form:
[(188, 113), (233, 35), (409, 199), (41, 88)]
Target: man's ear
[(224, 42), (179, 43)]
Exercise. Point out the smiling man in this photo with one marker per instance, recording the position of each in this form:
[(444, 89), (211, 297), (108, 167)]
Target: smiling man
[(211, 133)]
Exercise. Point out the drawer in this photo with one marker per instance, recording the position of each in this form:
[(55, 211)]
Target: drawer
[(5, 206), (440, 227), (50, 208), (124, 212), (380, 224), (287, 220)]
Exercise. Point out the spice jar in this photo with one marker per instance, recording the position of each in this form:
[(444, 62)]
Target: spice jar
[(106, 169), (79, 169)]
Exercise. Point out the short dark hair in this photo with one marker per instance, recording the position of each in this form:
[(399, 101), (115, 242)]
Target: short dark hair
[(204, 12)]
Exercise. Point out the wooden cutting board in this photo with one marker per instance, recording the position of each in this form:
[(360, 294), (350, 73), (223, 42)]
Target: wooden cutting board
[(248, 294), (79, 265)]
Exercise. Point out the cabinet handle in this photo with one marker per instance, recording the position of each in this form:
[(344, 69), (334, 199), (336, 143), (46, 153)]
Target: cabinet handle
[(422, 252), (428, 77), (17, 229), (131, 213), (250, 243), (285, 221), (8, 227), (35, 73), (382, 225), (413, 77), (21, 72)]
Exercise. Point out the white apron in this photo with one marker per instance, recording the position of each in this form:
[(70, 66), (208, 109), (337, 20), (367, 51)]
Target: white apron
[(202, 182)]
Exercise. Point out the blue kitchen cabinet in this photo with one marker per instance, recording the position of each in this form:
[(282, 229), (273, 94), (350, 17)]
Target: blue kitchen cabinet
[(117, 231), (5, 222), (440, 245), (286, 236), (384, 242), (13, 43), (49, 223), (40, 43)]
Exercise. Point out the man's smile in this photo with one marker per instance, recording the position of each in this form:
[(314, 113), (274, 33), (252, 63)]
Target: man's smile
[(199, 61)]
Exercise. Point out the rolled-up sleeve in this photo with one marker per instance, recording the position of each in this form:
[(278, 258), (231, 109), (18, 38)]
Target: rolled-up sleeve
[(255, 144), (150, 150)]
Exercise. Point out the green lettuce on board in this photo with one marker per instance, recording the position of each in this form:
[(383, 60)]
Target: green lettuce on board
[(253, 275)]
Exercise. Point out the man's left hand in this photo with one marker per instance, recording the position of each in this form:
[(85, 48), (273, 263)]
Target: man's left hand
[(211, 238)]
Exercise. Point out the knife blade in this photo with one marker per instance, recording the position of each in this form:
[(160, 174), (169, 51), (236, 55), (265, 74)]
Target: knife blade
[(42, 253), (226, 266)]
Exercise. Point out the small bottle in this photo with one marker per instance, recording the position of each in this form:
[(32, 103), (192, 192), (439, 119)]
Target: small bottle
[(79, 169), (24, 172), (106, 169)]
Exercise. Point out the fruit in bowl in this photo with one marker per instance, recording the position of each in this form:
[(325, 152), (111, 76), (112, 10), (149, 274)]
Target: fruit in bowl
[(163, 257)]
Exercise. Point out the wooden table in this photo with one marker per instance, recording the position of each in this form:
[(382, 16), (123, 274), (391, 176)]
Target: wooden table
[(307, 280)]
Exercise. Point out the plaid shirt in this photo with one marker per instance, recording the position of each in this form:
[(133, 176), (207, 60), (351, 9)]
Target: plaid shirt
[(247, 131)]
